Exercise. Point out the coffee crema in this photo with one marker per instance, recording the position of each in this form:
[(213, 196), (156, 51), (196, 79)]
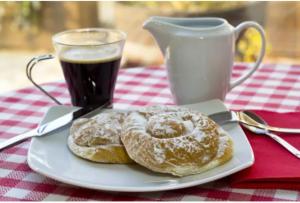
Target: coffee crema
[(90, 75)]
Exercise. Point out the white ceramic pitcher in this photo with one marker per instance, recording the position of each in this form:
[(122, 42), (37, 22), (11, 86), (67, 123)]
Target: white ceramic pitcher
[(199, 55)]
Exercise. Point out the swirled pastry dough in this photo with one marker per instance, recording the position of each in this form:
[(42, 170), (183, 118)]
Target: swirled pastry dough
[(175, 140), (98, 139)]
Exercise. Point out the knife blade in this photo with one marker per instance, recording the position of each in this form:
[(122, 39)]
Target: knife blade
[(67, 119), (54, 125), (224, 117)]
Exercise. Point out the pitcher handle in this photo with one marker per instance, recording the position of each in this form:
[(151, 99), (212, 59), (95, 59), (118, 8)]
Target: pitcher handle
[(237, 32), (30, 65)]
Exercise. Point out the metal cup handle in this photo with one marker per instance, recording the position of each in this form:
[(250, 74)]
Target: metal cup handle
[(30, 65)]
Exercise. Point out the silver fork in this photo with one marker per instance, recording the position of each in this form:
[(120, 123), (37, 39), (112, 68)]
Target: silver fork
[(230, 116)]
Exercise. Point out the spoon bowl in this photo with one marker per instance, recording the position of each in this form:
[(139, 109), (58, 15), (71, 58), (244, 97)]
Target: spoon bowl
[(255, 117)]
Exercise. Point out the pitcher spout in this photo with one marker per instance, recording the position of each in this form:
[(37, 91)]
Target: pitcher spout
[(160, 30)]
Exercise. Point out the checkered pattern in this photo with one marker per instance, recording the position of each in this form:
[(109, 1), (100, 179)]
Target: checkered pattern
[(272, 87)]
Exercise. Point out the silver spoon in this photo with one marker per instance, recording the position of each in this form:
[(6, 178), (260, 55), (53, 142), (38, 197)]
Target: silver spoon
[(259, 120), (278, 139)]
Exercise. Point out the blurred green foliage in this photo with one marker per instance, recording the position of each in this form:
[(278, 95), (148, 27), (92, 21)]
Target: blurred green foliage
[(25, 14)]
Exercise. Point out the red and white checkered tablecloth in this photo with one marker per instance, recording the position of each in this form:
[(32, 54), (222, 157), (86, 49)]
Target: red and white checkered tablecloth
[(272, 87)]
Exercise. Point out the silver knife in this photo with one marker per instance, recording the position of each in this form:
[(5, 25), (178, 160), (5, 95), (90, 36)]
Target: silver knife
[(54, 125)]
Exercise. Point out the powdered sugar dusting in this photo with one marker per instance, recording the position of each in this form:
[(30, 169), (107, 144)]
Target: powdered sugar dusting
[(199, 135), (223, 145), (189, 126), (102, 129), (159, 153)]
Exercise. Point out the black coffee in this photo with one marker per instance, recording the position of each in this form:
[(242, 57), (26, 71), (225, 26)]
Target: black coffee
[(91, 83)]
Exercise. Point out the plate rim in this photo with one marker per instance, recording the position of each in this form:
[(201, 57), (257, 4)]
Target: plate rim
[(140, 189), (135, 188)]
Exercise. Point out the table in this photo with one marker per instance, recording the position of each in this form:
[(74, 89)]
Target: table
[(273, 87)]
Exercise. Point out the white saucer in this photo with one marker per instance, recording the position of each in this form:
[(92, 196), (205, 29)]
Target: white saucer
[(51, 157)]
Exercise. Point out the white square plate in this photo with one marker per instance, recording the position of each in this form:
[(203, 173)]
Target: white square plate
[(50, 156)]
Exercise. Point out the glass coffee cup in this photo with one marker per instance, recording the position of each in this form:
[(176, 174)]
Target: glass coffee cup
[(90, 59)]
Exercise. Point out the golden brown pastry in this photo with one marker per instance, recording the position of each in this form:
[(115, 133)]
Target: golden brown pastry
[(98, 138), (175, 140)]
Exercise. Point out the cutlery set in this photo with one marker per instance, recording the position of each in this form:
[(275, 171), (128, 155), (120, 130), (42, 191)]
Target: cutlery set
[(257, 125)]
